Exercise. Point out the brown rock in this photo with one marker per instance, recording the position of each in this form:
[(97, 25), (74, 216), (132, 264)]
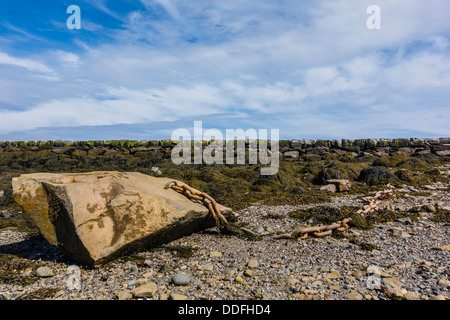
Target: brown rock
[(97, 216), (145, 290)]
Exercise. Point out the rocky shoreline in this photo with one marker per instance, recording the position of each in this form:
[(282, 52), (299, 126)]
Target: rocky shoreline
[(408, 258)]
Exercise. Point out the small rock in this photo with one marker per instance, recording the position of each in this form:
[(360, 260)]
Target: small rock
[(248, 273), (333, 275), (431, 208), (341, 184), (215, 254), (181, 279), (353, 295), (208, 267), (394, 293), (375, 252), (177, 296), (292, 281), (253, 264), (124, 295), (239, 279), (165, 268), (329, 187), (2, 193), (148, 263), (131, 266), (163, 296), (443, 283), (156, 171), (411, 296), (229, 272), (397, 232), (132, 283), (406, 220), (259, 230), (145, 290), (443, 248), (391, 283), (44, 272), (336, 288), (5, 214)]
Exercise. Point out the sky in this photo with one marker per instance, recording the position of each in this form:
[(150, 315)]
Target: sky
[(140, 69)]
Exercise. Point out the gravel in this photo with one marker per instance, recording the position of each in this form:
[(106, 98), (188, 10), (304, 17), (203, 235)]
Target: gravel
[(410, 263)]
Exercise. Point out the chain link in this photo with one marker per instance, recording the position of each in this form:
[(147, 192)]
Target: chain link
[(204, 198), (301, 234)]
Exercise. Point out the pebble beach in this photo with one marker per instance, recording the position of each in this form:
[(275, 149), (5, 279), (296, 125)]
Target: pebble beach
[(408, 260)]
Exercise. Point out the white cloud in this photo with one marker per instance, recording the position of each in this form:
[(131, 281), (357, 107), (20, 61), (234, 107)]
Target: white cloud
[(29, 64), (313, 67)]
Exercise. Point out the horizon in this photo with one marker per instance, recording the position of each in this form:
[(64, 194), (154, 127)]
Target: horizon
[(140, 69)]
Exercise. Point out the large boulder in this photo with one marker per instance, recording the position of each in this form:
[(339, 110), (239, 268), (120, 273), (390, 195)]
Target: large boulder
[(98, 216)]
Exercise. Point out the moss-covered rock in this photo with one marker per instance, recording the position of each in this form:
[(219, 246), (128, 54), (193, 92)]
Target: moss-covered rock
[(377, 176), (403, 175)]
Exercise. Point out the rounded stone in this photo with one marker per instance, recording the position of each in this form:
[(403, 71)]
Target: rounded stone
[(181, 279), (44, 272)]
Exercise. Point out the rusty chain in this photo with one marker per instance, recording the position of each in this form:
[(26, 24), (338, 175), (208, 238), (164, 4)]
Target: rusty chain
[(322, 231), (374, 201), (301, 234), (317, 231), (204, 198)]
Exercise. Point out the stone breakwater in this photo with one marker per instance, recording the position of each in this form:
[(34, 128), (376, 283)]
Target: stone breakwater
[(289, 148)]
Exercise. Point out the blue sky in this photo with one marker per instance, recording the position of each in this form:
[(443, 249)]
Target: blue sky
[(139, 69)]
